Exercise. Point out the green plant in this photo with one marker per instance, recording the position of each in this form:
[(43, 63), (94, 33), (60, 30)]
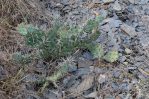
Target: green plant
[(111, 56), (19, 58), (61, 40)]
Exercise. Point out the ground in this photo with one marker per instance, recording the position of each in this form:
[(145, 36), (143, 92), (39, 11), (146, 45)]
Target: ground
[(125, 28)]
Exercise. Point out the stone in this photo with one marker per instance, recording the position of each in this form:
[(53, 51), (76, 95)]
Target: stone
[(102, 78), (128, 30), (122, 59), (132, 1), (128, 51), (72, 68), (103, 13), (87, 55), (116, 73), (117, 6), (107, 1), (84, 63)]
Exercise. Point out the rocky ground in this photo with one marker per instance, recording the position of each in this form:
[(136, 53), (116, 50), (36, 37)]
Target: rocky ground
[(125, 28)]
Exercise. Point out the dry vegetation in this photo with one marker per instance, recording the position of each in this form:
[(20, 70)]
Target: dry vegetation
[(13, 12)]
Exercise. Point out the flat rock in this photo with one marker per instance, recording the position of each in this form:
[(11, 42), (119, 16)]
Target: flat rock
[(117, 6), (128, 30), (132, 1), (108, 1)]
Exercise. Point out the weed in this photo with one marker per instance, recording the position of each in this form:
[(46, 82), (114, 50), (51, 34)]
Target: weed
[(62, 40)]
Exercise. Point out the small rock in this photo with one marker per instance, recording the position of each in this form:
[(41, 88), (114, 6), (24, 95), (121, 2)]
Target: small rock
[(115, 86), (125, 63), (83, 86), (50, 95), (107, 1), (128, 51), (72, 68), (108, 96), (82, 71), (91, 95), (103, 13), (84, 63), (117, 6), (87, 55), (102, 78), (122, 59), (97, 1), (128, 30), (132, 1), (112, 23), (124, 86), (116, 74)]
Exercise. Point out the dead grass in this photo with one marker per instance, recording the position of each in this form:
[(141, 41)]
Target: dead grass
[(13, 12)]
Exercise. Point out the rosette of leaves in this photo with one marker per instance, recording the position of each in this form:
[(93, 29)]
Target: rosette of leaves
[(111, 56)]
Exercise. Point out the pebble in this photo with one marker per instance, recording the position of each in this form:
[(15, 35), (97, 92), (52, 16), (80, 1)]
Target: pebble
[(117, 6), (128, 30), (132, 1), (128, 51), (107, 1), (116, 74), (102, 78), (87, 55)]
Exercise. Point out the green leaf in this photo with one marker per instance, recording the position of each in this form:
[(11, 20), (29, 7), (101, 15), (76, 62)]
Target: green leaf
[(19, 58), (111, 56), (96, 50), (22, 29), (35, 38)]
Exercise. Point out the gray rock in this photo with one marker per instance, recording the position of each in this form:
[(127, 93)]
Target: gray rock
[(84, 62), (141, 1), (107, 1), (128, 30), (102, 78), (122, 59), (117, 6), (128, 51), (83, 71), (103, 13), (2, 73), (115, 86), (50, 95), (116, 74), (146, 11), (112, 23), (124, 86), (132, 1), (72, 68), (87, 55), (108, 96)]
